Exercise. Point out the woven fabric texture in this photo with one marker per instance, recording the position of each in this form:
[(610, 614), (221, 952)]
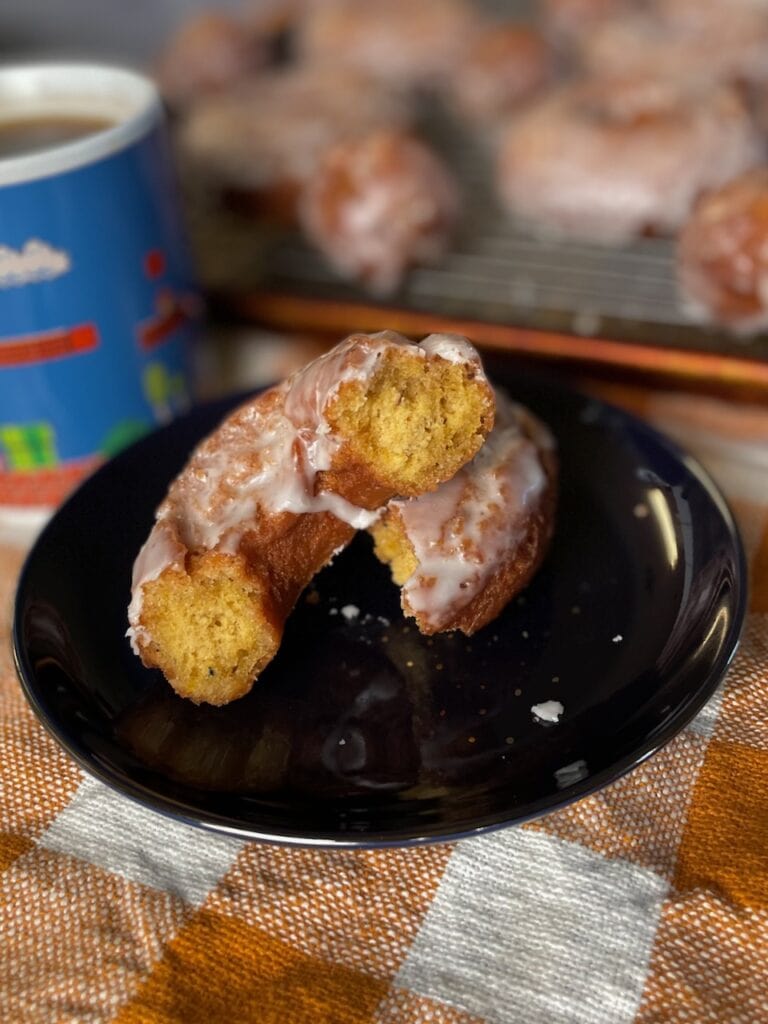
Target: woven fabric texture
[(645, 903)]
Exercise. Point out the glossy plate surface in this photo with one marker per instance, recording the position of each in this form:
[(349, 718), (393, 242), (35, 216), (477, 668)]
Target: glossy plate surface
[(362, 732)]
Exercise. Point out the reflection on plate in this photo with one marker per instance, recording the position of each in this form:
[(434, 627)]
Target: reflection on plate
[(362, 732)]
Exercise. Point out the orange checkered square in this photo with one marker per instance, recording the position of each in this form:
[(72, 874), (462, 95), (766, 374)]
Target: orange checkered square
[(10, 564), (220, 968), (38, 779), (76, 940), (759, 595), (724, 846), (709, 964), (12, 847), (744, 711), (360, 909)]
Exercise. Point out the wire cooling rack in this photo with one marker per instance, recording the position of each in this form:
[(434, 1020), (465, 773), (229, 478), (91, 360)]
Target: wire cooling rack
[(506, 287)]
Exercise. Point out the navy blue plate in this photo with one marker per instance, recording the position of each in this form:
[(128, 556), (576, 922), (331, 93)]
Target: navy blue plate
[(362, 732)]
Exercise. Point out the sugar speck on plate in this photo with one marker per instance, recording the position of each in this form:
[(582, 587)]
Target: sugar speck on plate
[(617, 639), (350, 612), (571, 773), (518, 692), (548, 710), (342, 742), (333, 611), (526, 634), (555, 679)]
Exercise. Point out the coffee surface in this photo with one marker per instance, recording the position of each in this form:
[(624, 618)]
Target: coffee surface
[(32, 134)]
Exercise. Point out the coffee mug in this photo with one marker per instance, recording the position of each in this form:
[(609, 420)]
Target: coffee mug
[(96, 304)]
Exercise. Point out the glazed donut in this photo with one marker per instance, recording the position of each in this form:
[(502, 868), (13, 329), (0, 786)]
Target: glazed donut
[(398, 41), (722, 255), (267, 135), (694, 13), (682, 39), (280, 487), (209, 53), (607, 159), (567, 20), (504, 65), (378, 205), (461, 553)]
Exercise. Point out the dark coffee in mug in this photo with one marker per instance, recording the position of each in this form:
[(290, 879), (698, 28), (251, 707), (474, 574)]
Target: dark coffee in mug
[(32, 134)]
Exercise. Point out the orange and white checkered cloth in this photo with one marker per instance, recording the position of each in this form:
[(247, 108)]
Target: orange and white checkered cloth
[(646, 903)]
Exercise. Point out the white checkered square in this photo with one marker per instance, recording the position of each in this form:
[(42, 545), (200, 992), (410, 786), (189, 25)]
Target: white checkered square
[(107, 829), (529, 929)]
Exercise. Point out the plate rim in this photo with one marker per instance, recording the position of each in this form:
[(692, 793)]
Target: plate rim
[(392, 838)]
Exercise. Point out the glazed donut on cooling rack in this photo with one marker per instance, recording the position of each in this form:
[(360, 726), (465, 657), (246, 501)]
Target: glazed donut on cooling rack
[(504, 65), (462, 552), (398, 41), (280, 487), (722, 256), (721, 42), (210, 52), (378, 205), (566, 20), (606, 159), (266, 136)]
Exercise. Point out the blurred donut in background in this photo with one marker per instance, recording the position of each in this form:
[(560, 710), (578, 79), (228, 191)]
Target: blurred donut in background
[(504, 65), (607, 159), (722, 255), (209, 53), (378, 205), (406, 42), (566, 20), (610, 119), (267, 135), (709, 41)]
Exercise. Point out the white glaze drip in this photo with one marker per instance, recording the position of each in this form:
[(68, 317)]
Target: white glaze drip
[(470, 524), (160, 551), (452, 347), (265, 458)]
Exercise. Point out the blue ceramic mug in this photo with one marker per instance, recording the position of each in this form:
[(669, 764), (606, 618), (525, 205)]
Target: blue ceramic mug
[(96, 305)]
